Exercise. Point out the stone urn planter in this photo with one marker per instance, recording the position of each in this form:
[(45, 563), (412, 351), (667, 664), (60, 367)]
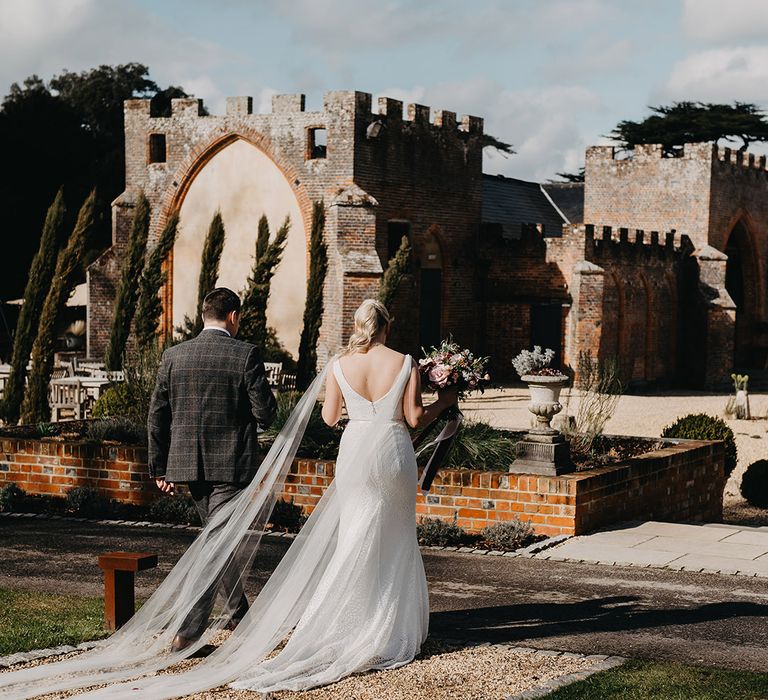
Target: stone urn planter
[(543, 450), (545, 400)]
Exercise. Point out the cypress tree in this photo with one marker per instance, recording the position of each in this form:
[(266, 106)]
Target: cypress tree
[(209, 274), (69, 263), (127, 290), (396, 270), (313, 309), (262, 239), (40, 274), (148, 308), (253, 314)]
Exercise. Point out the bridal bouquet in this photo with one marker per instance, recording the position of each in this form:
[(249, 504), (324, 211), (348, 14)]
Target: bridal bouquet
[(451, 366), (441, 368)]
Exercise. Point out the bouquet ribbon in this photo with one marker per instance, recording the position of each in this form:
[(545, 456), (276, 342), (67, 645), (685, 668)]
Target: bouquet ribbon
[(442, 444)]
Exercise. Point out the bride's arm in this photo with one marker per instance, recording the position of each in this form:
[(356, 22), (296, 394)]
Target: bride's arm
[(333, 400), (416, 414)]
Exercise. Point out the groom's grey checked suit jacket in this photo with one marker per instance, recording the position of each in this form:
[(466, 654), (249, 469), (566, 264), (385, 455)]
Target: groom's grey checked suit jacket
[(210, 395)]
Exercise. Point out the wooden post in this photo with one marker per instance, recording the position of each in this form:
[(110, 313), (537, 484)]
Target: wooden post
[(119, 575)]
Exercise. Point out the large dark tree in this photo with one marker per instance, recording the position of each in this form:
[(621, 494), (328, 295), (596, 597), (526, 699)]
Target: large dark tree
[(127, 290), (38, 284), (253, 323), (35, 407), (149, 308), (692, 122), (67, 131), (313, 308)]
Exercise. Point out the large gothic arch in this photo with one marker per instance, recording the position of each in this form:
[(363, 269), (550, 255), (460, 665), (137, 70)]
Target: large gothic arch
[(257, 185)]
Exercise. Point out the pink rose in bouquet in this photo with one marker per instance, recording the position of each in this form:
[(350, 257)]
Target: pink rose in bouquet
[(439, 375), (451, 366)]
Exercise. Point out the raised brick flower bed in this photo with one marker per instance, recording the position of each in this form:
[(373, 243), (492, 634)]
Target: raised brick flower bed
[(683, 481)]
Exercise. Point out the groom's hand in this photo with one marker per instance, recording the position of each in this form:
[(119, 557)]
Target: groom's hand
[(165, 486)]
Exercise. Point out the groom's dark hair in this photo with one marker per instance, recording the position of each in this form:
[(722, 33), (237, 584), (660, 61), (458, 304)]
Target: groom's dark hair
[(219, 303)]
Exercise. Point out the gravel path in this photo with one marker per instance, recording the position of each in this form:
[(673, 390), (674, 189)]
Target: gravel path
[(488, 672), (581, 608), (645, 416)]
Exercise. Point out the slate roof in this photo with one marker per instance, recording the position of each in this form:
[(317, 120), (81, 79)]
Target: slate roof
[(569, 198), (515, 204)]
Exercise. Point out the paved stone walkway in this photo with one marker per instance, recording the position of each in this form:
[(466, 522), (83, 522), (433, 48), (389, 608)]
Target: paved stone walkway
[(711, 548)]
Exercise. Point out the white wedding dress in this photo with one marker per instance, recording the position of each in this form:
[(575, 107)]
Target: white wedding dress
[(370, 609), (349, 595)]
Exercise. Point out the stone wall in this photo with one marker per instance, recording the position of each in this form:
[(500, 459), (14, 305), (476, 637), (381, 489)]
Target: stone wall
[(645, 298), (649, 191), (423, 172), (683, 481), (718, 197)]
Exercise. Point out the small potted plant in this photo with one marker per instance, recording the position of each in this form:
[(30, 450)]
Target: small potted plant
[(544, 383)]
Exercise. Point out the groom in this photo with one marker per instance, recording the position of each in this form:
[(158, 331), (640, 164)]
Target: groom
[(210, 396)]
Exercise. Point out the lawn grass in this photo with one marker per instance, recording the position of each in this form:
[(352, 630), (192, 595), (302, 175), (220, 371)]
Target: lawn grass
[(650, 680), (32, 620)]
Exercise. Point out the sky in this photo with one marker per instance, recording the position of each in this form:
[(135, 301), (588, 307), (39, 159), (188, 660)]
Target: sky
[(549, 76)]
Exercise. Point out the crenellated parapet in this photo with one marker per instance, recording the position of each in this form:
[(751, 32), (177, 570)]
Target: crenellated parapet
[(606, 242)]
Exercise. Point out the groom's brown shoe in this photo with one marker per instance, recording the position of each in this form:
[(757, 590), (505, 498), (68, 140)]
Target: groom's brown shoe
[(180, 642)]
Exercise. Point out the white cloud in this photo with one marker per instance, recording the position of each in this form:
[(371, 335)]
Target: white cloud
[(46, 36), (601, 56), (339, 25), (716, 20), (720, 75), (545, 134)]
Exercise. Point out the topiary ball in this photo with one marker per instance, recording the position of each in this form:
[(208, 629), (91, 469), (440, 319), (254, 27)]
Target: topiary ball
[(700, 426), (754, 484)]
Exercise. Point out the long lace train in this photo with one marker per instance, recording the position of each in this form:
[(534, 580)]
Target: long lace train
[(350, 593)]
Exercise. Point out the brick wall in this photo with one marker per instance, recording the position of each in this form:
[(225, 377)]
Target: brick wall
[(425, 172), (52, 468), (623, 294), (717, 197), (680, 482)]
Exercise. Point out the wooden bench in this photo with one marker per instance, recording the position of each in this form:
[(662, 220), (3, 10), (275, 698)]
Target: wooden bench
[(119, 574)]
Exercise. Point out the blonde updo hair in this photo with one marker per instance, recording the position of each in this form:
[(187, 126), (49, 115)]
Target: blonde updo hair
[(371, 318)]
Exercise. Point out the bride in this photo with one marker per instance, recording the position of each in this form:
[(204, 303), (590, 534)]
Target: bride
[(350, 594)]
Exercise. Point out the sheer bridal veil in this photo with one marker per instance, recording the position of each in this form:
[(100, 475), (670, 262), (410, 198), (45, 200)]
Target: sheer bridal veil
[(131, 661)]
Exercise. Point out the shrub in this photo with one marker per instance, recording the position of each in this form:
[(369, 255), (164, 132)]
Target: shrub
[(508, 535), (115, 401), (46, 429), (320, 441), (130, 399), (754, 484), (179, 510), (700, 426), (434, 532), (120, 430), (601, 388), (287, 516), (479, 446), (10, 498), (88, 502), (533, 362)]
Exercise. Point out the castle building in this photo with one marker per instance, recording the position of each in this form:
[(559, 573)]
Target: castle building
[(669, 275)]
